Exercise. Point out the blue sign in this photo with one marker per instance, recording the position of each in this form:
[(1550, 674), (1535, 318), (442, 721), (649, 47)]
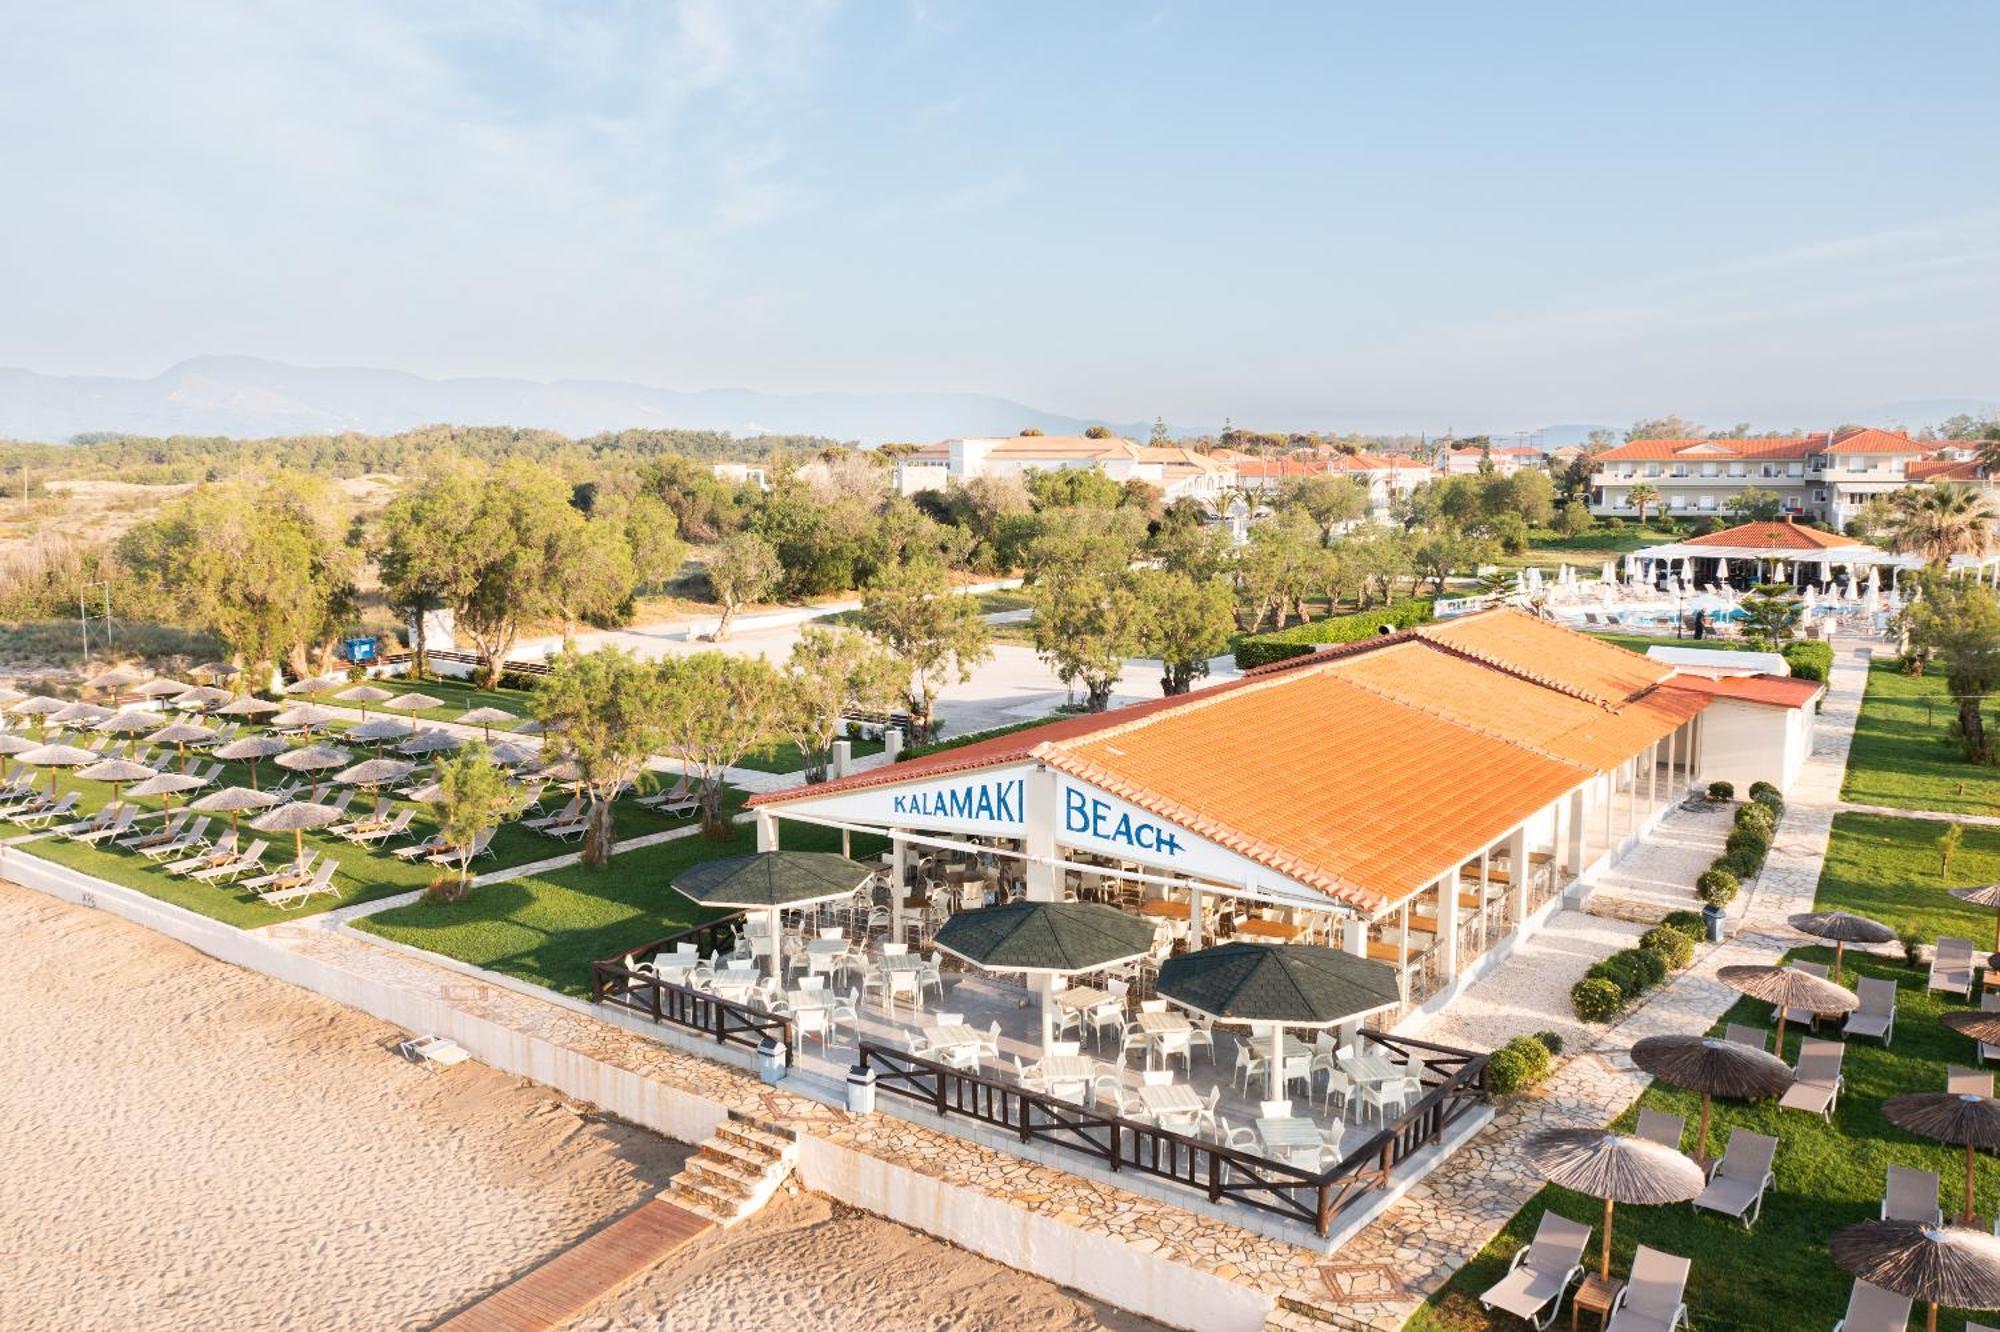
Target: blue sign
[(1096, 818), (993, 802), (359, 649)]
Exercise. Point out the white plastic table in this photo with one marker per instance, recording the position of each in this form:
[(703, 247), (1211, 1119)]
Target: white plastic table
[(1173, 1099)]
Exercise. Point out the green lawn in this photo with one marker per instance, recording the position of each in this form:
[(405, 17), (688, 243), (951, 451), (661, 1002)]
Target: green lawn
[(785, 756), (548, 928), (364, 874), (1828, 1176), (459, 697), (1904, 755)]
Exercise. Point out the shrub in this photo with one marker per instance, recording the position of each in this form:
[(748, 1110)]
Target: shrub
[(1690, 923), (1595, 1000), (1300, 640), (1744, 862), (1759, 789), (1551, 1042), (1913, 946), (1749, 838), (1721, 791), (1632, 970), (1670, 946), (1717, 886), (1810, 661), (1769, 799), (1519, 1064), (1751, 814)]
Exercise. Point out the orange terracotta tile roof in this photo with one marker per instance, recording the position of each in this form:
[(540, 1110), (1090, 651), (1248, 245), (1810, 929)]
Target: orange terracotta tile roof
[(1867, 439), (1282, 467), (1658, 450), (1778, 691), (1773, 536), (1549, 654), (1944, 469), (1366, 770)]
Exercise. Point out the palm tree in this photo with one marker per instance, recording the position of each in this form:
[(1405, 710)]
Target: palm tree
[(1643, 497), (1941, 520)]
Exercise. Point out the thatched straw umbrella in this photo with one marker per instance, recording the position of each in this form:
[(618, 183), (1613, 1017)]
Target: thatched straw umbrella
[(372, 774), (116, 679), (316, 684), (249, 706), (161, 688), (1980, 1025), (1959, 1119), (532, 726), (10, 745), (233, 800), (130, 722), (1987, 896), (201, 698), (509, 754), (56, 756), (429, 742), (303, 715), (117, 772), (1788, 988), (1615, 1167), (379, 730), (216, 671), (486, 718), (295, 818), (1713, 1068), (40, 707), (1955, 1266), (314, 759), (251, 749), (363, 695), (1843, 929), (180, 735), (82, 714), (412, 702), (166, 786)]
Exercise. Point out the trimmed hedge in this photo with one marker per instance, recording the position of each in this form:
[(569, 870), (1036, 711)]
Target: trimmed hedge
[(1596, 999), (1754, 814), (1689, 923), (1301, 639), (1670, 945), (1810, 661), (1721, 791), (1717, 886), (1520, 1063), (1632, 970)]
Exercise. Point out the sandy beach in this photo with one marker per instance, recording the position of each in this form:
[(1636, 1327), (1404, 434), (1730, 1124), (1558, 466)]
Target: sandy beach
[(190, 1145)]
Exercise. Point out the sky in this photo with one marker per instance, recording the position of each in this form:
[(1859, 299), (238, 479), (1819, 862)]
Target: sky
[(1288, 215)]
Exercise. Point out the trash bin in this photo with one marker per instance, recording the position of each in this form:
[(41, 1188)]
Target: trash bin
[(770, 1060), (1712, 919), (860, 1090)]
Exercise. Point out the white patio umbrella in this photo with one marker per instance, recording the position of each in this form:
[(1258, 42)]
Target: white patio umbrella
[(1609, 574)]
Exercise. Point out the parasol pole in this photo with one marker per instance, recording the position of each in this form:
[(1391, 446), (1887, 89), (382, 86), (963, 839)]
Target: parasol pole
[(1781, 1031), (1604, 1265), (1701, 1143), (1969, 1218)]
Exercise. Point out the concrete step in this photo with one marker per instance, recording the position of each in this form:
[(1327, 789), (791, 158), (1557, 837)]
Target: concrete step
[(729, 1178), (778, 1131), (753, 1137), (1639, 910), (713, 1201), (745, 1156)]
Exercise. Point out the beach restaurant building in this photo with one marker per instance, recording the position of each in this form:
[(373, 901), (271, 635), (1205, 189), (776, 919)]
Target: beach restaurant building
[(1424, 798)]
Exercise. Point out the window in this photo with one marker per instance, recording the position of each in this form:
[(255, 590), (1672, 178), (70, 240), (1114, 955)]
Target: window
[(1767, 471), (1736, 469), (1857, 463), (1680, 469), (1708, 501), (1795, 469), (1677, 502), (1711, 469), (1652, 469), (1819, 496)]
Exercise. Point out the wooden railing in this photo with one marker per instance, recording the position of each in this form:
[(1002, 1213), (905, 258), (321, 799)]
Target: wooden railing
[(1455, 1080), (616, 982)]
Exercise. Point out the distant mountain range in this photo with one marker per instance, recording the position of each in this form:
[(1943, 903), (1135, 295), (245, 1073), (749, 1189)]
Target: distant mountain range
[(248, 397), (244, 396)]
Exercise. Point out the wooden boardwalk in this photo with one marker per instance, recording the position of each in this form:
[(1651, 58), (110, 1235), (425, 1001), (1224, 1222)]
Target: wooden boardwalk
[(558, 1290)]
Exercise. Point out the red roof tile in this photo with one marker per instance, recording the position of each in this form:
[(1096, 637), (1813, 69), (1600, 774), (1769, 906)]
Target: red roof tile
[(1774, 536), (1867, 439), (1721, 450)]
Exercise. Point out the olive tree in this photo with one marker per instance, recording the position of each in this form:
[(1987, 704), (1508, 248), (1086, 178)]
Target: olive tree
[(604, 708)]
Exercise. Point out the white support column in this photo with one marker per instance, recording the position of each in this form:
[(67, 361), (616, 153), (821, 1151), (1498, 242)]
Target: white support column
[(767, 831), (899, 882), (1447, 918), (1652, 778), (1194, 917), (1575, 822), (1354, 939), (1039, 843), (1485, 894), (1517, 856)]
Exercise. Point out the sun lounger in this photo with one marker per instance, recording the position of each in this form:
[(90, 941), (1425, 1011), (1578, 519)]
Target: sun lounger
[(428, 846), (382, 832), (433, 1052), (287, 875), (1910, 1194), (159, 836), (1968, 1081), (1651, 1300), (203, 857), (1989, 1002), (1877, 1015), (191, 837), (1818, 1079), (320, 882), (43, 816), (103, 820), (568, 814), (230, 867), (1540, 1273), (120, 824), (1661, 1127), (1951, 966), (449, 855), (1737, 1186), (1873, 1309), (571, 831)]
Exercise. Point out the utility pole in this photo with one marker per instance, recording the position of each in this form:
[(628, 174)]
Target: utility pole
[(83, 616)]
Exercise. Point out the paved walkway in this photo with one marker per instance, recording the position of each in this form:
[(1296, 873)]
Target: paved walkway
[(550, 1295), (1933, 815), (1381, 1276)]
